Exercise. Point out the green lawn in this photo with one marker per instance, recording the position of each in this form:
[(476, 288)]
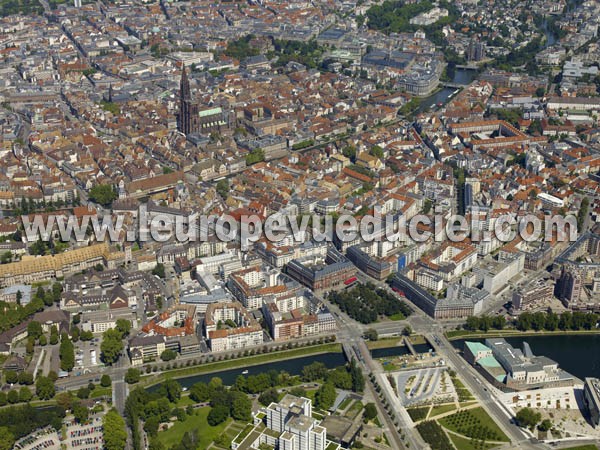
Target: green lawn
[(463, 393), (583, 447), (462, 443), (185, 400), (474, 423), (354, 410), (100, 391), (398, 316), (385, 343), (206, 433), (345, 403), (441, 409)]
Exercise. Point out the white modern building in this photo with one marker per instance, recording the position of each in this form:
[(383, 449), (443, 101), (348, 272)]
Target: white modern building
[(287, 425)]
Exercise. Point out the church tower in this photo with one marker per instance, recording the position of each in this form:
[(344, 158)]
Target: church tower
[(185, 104)]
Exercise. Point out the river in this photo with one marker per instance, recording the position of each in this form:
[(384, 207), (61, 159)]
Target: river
[(578, 354), (398, 350), (461, 76), (292, 366)]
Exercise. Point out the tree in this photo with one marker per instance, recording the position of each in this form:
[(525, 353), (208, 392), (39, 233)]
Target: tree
[(241, 407), (545, 425), (86, 335), (151, 425), (370, 411), (66, 353), (349, 152), (34, 329), (83, 393), (223, 188), (115, 436), (340, 378), (269, 396), (168, 355), (199, 392), (407, 330), (75, 333), (64, 400), (217, 415), (132, 376), (25, 378), (123, 326), (7, 439), (255, 156), (11, 376), (325, 396), (171, 389), (371, 334), (377, 151), (80, 412), (44, 388), (103, 194), (105, 381), (314, 371), (159, 270), (13, 396), (582, 213), (43, 340), (358, 379), (111, 346), (25, 394), (527, 418)]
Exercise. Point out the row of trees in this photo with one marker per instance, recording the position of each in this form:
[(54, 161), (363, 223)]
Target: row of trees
[(484, 323), (115, 434), (365, 303), (551, 321), (538, 321)]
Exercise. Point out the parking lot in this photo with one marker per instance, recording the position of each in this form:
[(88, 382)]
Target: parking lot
[(85, 437), (45, 439), (87, 355)]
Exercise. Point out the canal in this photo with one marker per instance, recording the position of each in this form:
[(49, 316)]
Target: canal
[(461, 76), (578, 354), (292, 366), (398, 350)]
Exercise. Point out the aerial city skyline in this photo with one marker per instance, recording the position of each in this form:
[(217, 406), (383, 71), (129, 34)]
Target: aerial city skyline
[(299, 225)]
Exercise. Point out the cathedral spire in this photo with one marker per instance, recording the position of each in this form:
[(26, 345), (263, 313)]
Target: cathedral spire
[(184, 86)]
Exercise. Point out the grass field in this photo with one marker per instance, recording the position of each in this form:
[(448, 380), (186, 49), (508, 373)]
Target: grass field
[(464, 395), (462, 443), (384, 343), (242, 362), (345, 403), (354, 410), (582, 447), (101, 391), (206, 433), (231, 432), (475, 423), (441, 409), (417, 414)]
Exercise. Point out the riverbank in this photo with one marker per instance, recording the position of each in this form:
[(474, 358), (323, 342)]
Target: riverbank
[(415, 339), (463, 334), (237, 363)]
